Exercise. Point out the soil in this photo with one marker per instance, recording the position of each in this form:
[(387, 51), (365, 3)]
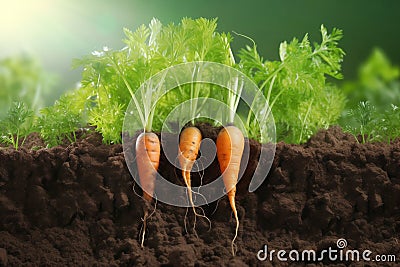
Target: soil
[(75, 205)]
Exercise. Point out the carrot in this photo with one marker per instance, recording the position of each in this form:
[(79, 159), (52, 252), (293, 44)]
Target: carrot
[(147, 160), (189, 145), (230, 145)]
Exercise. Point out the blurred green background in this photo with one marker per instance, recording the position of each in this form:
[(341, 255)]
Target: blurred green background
[(56, 31)]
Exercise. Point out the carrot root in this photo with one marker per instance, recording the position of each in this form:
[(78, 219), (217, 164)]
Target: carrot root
[(144, 229), (147, 160), (230, 146), (231, 198), (189, 145), (196, 214), (146, 216)]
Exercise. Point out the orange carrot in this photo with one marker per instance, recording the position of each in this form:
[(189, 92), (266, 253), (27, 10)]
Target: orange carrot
[(189, 145), (147, 160), (230, 145)]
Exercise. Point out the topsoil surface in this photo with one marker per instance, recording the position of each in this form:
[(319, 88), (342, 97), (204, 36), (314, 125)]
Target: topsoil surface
[(75, 205)]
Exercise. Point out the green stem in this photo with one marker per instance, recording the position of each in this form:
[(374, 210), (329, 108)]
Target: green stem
[(69, 137), (356, 137), (142, 118), (270, 87), (231, 101), (99, 99), (134, 100), (362, 134), (303, 123), (16, 141), (273, 103), (236, 99), (194, 94), (261, 89), (272, 75), (148, 114), (23, 140), (149, 110)]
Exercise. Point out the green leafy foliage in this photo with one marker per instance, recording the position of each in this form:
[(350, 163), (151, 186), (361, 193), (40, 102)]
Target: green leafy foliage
[(373, 99), (365, 121), (16, 125), (111, 77), (61, 121), (370, 125), (296, 87), (105, 91), (301, 99), (389, 125)]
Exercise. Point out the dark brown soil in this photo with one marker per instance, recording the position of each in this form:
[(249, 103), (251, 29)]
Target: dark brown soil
[(74, 206)]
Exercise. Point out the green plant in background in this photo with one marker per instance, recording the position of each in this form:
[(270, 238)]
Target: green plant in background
[(389, 125), (23, 79), (61, 121), (366, 122), (373, 99), (377, 82), (373, 126), (298, 94), (16, 125)]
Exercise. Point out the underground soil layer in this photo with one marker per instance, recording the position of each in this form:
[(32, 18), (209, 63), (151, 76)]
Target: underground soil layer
[(78, 205)]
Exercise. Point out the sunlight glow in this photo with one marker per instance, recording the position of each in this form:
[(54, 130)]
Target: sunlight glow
[(24, 24), (15, 16)]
